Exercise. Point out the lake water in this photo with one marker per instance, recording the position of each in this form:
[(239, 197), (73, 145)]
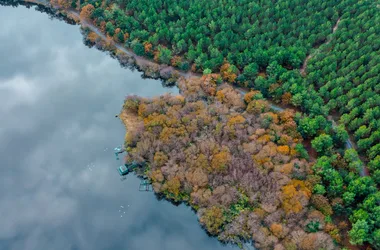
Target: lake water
[(59, 185)]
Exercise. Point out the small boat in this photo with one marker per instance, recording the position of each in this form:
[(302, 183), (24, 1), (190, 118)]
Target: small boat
[(123, 170), (128, 167)]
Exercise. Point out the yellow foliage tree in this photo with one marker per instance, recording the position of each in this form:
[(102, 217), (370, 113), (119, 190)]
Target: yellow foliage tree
[(264, 138), (173, 186), (202, 161), (157, 176), (220, 95), (257, 107), (220, 160), (293, 195), (227, 73), (285, 150), (155, 120), (160, 158), (92, 36), (237, 119), (213, 219), (286, 115)]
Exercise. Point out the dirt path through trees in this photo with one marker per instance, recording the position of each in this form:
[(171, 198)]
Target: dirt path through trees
[(304, 65)]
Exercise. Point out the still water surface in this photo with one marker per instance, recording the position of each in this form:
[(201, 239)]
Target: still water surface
[(59, 185)]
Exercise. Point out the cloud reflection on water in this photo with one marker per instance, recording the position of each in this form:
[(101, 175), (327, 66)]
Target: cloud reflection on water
[(58, 104)]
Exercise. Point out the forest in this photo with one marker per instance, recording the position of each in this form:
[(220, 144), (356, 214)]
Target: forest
[(319, 58), (262, 45), (241, 166), (245, 169)]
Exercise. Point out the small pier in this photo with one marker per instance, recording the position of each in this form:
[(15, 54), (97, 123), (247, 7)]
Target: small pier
[(145, 184)]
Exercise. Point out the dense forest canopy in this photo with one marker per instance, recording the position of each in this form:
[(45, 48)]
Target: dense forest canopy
[(262, 44), (241, 166), (204, 33), (321, 57)]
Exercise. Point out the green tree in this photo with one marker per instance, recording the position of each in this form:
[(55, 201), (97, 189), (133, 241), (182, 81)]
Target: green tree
[(164, 55), (340, 136), (375, 239), (359, 232), (110, 28), (362, 186), (137, 47), (302, 152), (207, 71), (362, 132), (250, 71), (97, 13), (319, 189), (323, 144), (348, 198)]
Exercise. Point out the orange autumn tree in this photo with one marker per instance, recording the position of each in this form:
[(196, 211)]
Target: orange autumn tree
[(283, 149), (277, 229), (209, 83), (102, 26), (126, 36), (295, 195), (92, 36), (237, 119), (147, 47), (220, 160), (286, 98), (229, 72), (175, 61), (252, 95), (86, 11)]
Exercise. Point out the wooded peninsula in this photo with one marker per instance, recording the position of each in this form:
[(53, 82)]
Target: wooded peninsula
[(306, 177)]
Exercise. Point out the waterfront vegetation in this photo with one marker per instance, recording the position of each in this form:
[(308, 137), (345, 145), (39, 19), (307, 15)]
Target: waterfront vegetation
[(245, 170), (285, 180), (241, 166)]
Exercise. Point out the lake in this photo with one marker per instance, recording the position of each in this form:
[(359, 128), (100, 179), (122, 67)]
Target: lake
[(60, 188)]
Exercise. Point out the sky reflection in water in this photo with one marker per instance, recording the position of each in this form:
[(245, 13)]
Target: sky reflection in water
[(59, 184)]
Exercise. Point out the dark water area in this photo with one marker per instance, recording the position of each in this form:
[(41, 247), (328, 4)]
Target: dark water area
[(59, 185)]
